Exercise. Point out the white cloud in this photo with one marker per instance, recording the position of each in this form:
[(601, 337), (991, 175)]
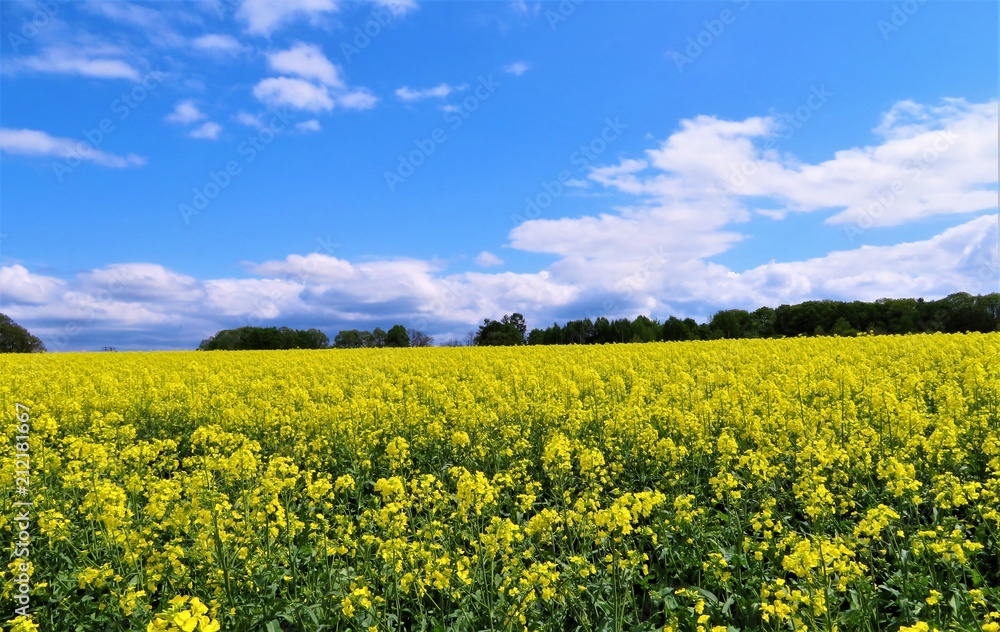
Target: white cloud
[(311, 125), (297, 93), (219, 43), (185, 112), (360, 99), (71, 61), (321, 290), (487, 259), (959, 259), (154, 23), (17, 285), (398, 7), (250, 120), (27, 142), (653, 253), (439, 91), (262, 17), (932, 160), (318, 85), (306, 61), (206, 131), (518, 68)]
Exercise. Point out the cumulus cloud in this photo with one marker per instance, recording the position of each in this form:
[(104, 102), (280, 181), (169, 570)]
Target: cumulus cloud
[(317, 84), (296, 93), (29, 142), (656, 252), (487, 259), (262, 17), (18, 285), (185, 112), (306, 61)]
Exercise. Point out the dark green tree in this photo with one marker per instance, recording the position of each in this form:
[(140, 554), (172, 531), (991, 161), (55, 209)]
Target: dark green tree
[(16, 339), (397, 337), (509, 330)]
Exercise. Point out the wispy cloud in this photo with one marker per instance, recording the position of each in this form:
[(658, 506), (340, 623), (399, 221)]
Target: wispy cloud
[(517, 69), (28, 142), (206, 131), (439, 91), (67, 60), (487, 259), (219, 43)]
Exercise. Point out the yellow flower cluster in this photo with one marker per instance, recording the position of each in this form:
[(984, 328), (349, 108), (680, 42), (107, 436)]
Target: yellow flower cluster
[(822, 483)]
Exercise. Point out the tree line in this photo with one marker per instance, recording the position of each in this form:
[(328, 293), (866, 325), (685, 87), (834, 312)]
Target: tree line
[(271, 338), (955, 313)]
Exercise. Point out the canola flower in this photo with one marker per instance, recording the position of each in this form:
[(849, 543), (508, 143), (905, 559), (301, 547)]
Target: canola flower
[(801, 484)]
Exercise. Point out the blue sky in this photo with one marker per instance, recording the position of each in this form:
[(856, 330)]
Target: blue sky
[(172, 168)]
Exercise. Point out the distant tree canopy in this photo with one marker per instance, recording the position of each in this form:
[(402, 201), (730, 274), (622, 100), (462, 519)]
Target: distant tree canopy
[(265, 338), (953, 314), (16, 339), (509, 330), (397, 336)]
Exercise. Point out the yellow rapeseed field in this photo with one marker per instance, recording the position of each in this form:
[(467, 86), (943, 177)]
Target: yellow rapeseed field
[(820, 483)]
